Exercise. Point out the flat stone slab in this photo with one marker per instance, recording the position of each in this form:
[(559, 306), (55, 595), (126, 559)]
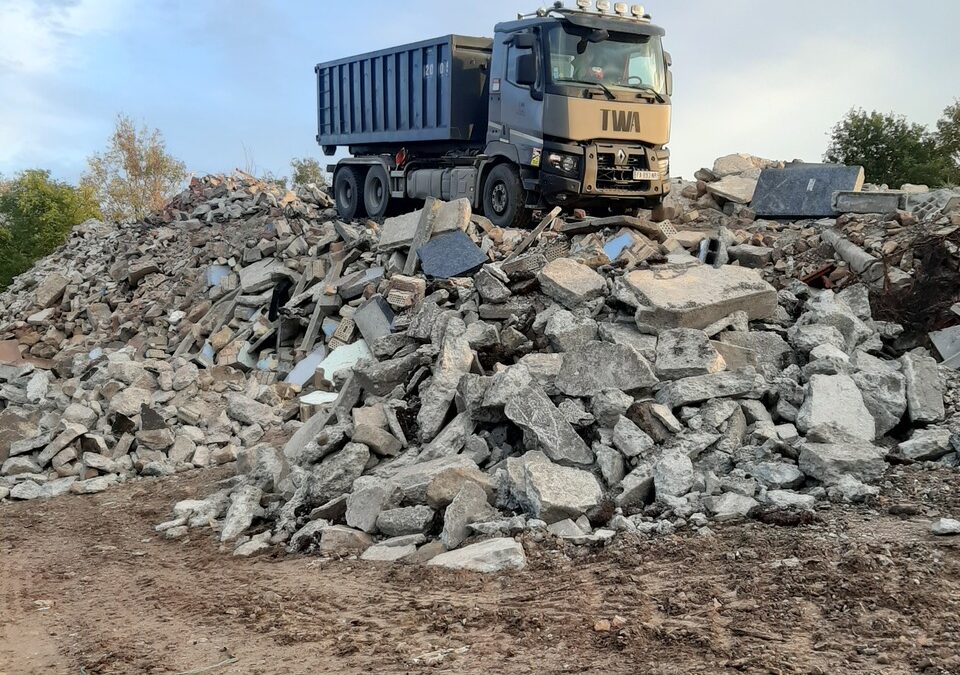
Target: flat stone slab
[(848, 201), (697, 296), (803, 190), (835, 399), (450, 255), (743, 383), (570, 283), (596, 366), (535, 413), (736, 189), (398, 232), (492, 555)]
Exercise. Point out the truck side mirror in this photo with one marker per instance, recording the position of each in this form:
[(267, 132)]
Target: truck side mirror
[(669, 83), (527, 69), (667, 59)]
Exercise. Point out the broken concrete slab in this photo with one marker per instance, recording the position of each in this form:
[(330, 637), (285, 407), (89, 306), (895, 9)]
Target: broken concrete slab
[(875, 201), (374, 318), (492, 555), (686, 352), (924, 393), (927, 444), (548, 430), (828, 462), (570, 283), (736, 189), (835, 399), (553, 492), (745, 383), (468, 506), (803, 190), (595, 366), (697, 296)]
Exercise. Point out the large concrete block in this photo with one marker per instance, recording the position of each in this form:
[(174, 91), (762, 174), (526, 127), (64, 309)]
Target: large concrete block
[(697, 296), (803, 190), (848, 201)]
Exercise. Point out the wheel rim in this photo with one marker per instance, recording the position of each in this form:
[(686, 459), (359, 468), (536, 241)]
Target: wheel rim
[(378, 192), (499, 198)]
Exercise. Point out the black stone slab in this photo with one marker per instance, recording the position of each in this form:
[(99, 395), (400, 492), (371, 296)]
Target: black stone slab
[(803, 190), (450, 255)]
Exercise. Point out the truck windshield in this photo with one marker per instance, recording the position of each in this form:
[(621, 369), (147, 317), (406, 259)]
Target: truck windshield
[(621, 60)]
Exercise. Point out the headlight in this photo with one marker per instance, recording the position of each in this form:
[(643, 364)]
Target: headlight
[(564, 163)]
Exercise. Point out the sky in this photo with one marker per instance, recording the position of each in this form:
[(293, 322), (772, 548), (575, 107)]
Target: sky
[(231, 84)]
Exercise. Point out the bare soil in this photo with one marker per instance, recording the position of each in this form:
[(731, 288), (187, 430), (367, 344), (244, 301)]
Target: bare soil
[(87, 586)]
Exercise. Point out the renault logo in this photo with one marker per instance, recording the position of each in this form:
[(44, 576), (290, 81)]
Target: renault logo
[(621, 156)]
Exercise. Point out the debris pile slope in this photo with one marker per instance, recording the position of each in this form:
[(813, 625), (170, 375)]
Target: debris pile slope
[(427, 388), (130, 350), (597, 378)]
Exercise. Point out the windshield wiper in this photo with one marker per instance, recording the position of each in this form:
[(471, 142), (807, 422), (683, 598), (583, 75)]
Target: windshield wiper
[(649, 90), (609, 94)]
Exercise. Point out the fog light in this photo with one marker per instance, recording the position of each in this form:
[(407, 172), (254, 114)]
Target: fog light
[(603, 5), (637, 10), (620, 8)]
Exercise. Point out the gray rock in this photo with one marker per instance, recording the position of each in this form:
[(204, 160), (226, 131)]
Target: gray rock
[(785, 499), (945, 527), (469, 506), (546, 427), (364, 506), (885, 395), (836, 400), (244, 507), (805, 338), (611, 465), (636, 488), (445, 486), (769, 347), (406, 520), (630, 439), (50, 290), (596, 366), (686, 352), (380, 441), (570, 283), (415, 479), (341, 540), (827, 462), (388, 553), (738, 383), (490, 288), (334, 476), (555, 492), (492, 555), (308, 536), (673, 475), (730, 506), (851, 491), (924, 393), (567, 331), (608, 405), (776, 475), (19, 464), (628, 336), (927, 444)]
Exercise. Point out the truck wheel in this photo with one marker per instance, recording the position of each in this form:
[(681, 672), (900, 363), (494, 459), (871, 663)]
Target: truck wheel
[(348, 191), (376, 192), (504, 198)]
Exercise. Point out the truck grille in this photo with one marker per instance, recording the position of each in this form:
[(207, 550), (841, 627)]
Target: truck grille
[(611, 176)]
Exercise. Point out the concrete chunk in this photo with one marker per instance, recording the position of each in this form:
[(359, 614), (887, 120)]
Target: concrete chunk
[(556, 492), (686, 352), (924, 393), (492, 555), (835, 399), (570, 283), (548, 430), (697, 296), (596, 366), (737, 383)]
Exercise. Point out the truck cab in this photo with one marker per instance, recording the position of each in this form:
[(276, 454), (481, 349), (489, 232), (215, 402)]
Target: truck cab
[(563, 107)]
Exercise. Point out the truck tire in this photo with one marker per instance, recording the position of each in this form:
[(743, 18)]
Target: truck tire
[(504, 199), (348, 192), (376, 192)]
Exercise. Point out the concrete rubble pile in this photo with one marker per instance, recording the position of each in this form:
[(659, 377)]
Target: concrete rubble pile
[(144, 349), (590, 377)]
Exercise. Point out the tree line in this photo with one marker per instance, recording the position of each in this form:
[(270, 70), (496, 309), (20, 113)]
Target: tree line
[(132, 177)]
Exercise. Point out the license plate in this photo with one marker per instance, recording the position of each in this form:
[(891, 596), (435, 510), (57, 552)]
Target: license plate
[(645, 175)]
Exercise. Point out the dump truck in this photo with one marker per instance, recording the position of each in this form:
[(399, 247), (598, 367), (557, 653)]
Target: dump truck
[(563, 107)]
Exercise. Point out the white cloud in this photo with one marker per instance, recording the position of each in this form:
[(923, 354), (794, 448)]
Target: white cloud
[(779, 108)]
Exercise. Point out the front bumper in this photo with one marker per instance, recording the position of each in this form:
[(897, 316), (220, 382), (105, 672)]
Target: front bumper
[(606, 174)]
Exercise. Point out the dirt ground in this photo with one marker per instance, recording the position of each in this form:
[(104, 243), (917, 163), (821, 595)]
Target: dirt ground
[(87, 586)]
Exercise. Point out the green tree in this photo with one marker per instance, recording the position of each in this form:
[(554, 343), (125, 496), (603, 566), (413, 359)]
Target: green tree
[(948, 139), (36, 216), (307, 170), (889, 148), (135, 175)]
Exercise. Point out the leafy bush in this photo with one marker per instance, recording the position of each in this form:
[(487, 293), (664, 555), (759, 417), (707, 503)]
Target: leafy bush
[(135, 175), (36, 216)]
